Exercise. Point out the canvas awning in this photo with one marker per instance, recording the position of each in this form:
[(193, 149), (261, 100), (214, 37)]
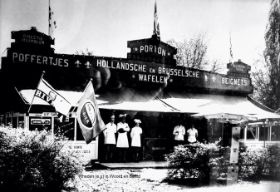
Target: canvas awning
[(219, 106), (128, 100), (199, 105)]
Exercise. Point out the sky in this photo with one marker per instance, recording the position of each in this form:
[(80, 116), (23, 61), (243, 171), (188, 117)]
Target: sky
[(105, 26)]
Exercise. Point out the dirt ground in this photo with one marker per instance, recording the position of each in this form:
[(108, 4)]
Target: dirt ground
[(149, 179)]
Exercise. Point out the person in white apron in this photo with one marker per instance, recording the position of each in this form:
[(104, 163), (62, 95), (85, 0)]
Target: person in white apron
[(192, 134), (110, 139), (136, 144), (122, 141)]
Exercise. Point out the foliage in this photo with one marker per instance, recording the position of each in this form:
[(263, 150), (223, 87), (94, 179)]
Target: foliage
[(86, 52), (273, 163), (272, 55), (192, 161), (261, 82), (252, 163), (207, 162), (34, 161), (192, 53)]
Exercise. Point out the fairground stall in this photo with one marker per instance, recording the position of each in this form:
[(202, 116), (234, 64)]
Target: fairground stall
[(147, 85)]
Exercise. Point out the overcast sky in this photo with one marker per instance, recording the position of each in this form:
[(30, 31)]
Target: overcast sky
[(104, 26)]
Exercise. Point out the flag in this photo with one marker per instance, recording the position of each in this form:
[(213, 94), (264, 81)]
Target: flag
[(88, 115), (156, 23), (47, 93), (52, 22)]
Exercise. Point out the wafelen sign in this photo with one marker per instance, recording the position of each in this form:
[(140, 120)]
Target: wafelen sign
[(139, 70)]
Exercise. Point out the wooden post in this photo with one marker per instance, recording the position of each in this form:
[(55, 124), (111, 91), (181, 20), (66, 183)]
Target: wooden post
[(232, 172)]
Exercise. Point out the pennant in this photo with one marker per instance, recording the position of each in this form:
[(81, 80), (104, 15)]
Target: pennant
[(47, 93), (156, 23), (88, 115)]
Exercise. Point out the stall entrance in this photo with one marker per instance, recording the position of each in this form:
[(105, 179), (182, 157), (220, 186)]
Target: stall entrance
[(157, 137)]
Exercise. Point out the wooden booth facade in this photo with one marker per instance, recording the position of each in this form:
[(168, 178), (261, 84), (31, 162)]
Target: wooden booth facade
[(147, 84)]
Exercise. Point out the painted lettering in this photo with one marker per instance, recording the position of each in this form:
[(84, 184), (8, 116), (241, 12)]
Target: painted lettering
[(39, 59), (152, 49)]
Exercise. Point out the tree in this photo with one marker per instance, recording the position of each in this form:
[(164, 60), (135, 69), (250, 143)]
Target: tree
[(272, 55), (261, 82), (192, 53), (86, 52)]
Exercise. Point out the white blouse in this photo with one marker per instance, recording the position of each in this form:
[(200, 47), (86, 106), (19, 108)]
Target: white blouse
[(109, 133), (136, 136), (122, 140)]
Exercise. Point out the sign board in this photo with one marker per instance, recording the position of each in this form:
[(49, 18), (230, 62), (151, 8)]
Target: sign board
[(32, 37), (84, 152), (152, 50), (132, 72), (40, 121), (174, 76), (238, 68)]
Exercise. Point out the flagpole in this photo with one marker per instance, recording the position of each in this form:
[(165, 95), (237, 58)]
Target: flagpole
[(49, 21), (43, 72), (230, 49)]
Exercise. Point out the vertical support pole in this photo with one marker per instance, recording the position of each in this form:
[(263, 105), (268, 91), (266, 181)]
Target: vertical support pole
[(232, 172), (52, 125), (75, 128), (26, 121)]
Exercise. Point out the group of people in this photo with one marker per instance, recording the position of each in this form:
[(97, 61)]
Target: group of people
[(119, 138), (179, 133), (116, 139)]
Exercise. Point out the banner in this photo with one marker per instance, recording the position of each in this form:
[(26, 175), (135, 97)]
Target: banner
[(47, 93), (88, 115)]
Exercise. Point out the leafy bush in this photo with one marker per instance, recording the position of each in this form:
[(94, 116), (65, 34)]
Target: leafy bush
[(206, 162), (194, 161), (252, 163), (34, 161), (273, 161)]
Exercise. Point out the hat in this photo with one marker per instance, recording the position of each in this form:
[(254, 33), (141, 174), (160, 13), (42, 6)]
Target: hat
[(137, 121), (122, 115)]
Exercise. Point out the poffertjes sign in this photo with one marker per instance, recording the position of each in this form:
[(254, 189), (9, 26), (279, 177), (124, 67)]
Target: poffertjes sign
[(138, 71)]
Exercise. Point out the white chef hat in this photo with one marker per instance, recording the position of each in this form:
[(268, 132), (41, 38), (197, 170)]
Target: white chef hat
[(137, 121)]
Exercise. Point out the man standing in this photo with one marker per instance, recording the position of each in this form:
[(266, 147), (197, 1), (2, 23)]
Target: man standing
[(110, 139), (135, 135), (192, 134), (179, 134), (122, 141)]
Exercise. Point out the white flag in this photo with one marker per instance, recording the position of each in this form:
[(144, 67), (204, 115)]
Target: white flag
[(46, 92)]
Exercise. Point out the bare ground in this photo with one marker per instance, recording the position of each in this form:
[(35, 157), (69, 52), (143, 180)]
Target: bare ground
[(151, 180)]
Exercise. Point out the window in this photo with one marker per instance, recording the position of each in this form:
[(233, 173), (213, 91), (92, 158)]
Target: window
[(242, 133), (14, 122), (252, 132), (21, 122), (275, 133), (264, 133)]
